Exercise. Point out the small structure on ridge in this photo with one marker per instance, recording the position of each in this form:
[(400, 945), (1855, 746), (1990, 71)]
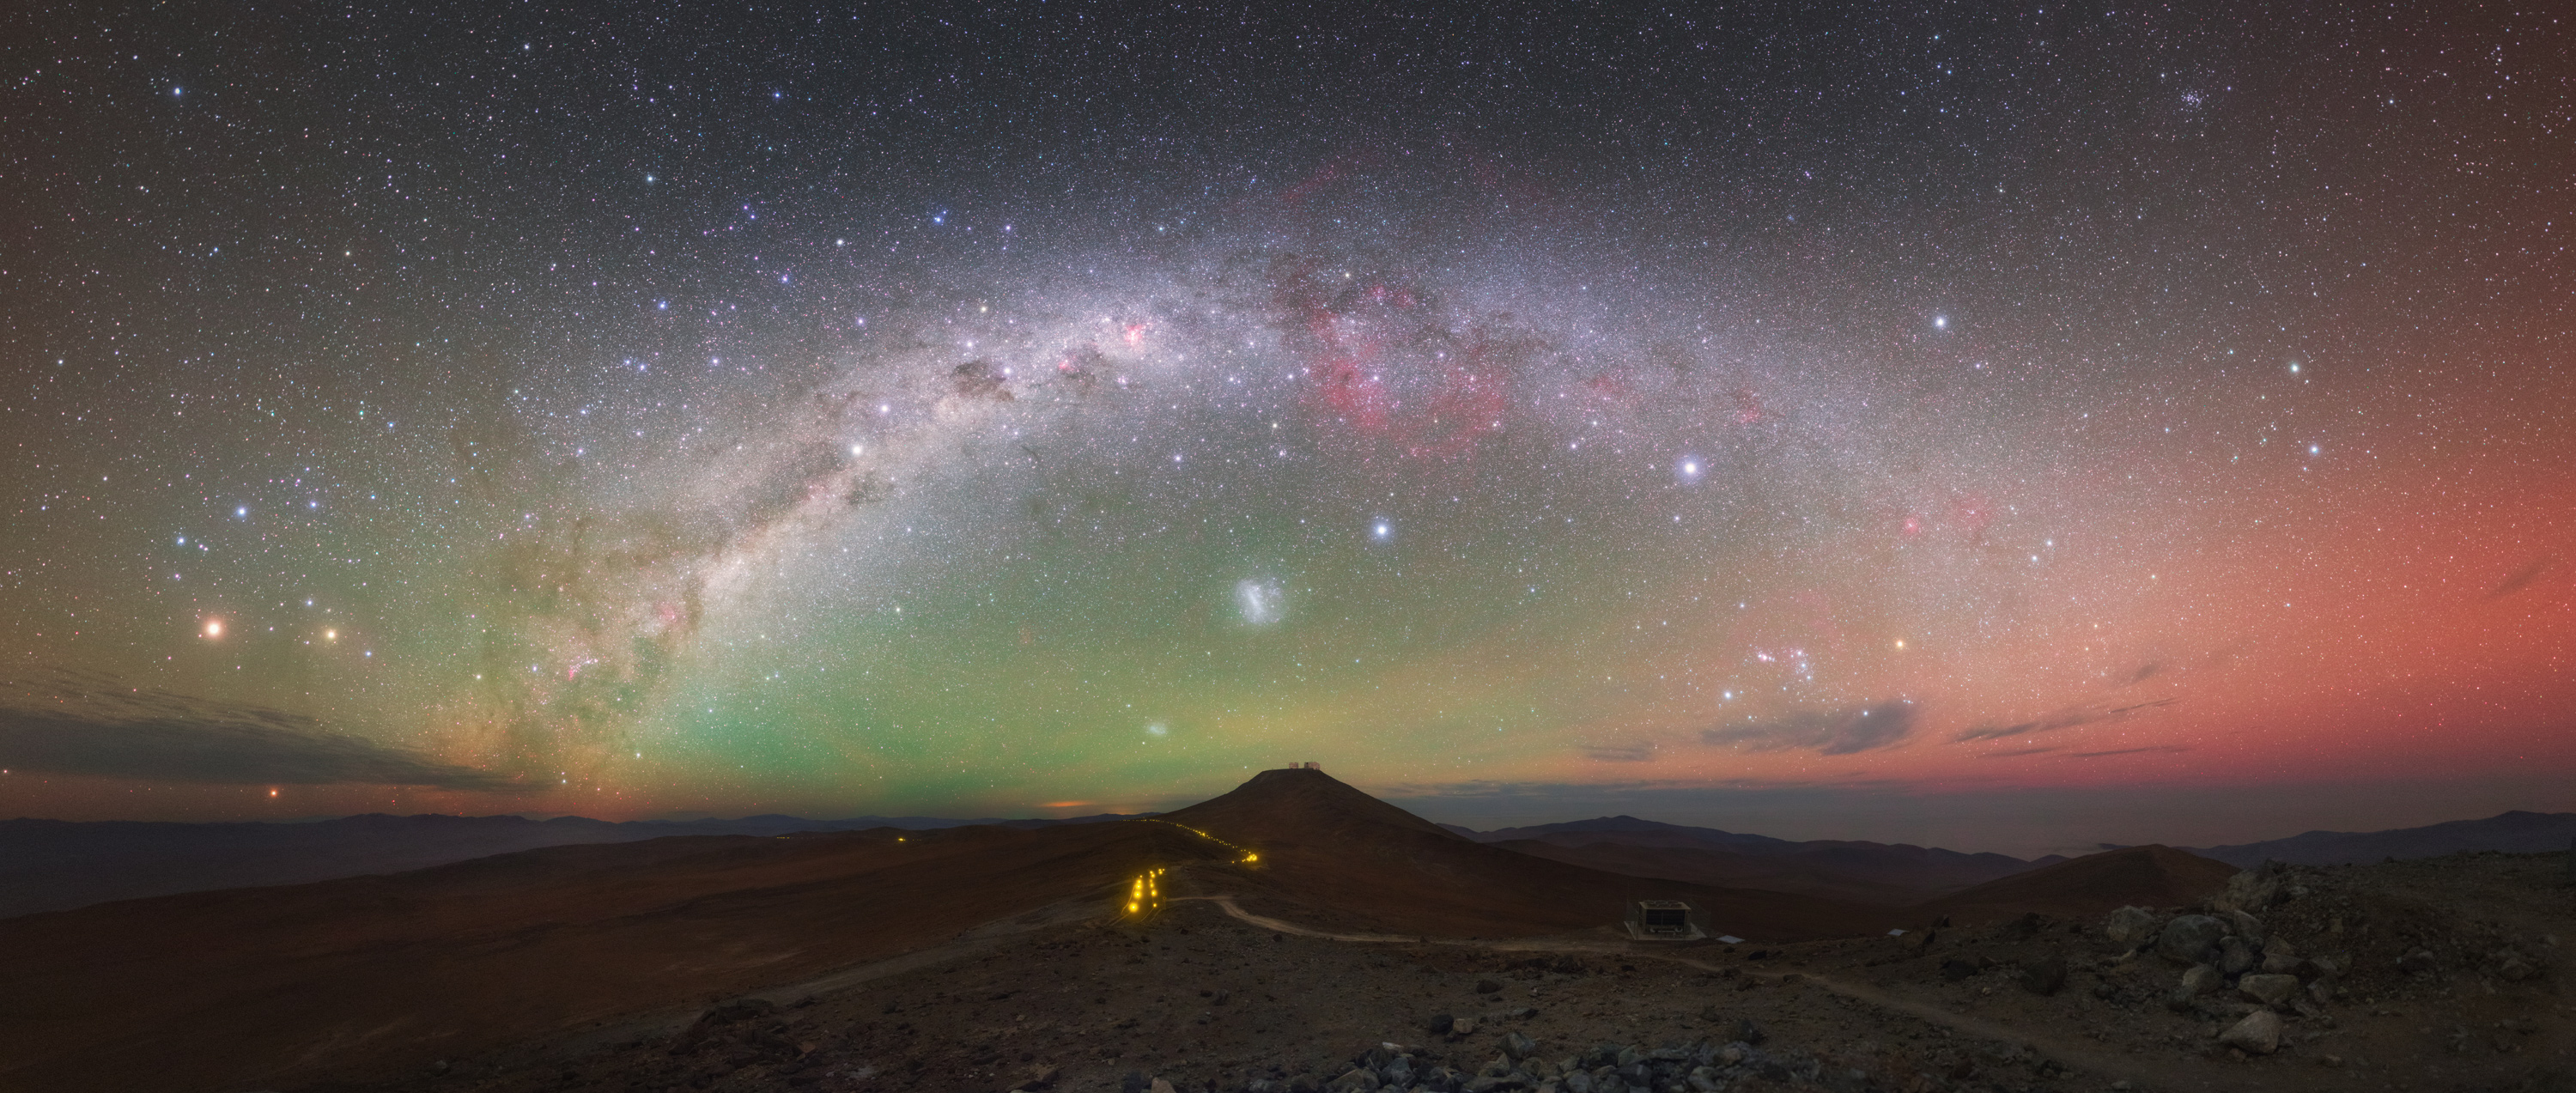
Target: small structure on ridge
[(1663, 920)]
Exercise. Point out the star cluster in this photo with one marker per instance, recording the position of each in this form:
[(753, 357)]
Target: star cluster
[(627, 411)]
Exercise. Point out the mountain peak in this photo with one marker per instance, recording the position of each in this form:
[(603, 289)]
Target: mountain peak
[(1297, 806)]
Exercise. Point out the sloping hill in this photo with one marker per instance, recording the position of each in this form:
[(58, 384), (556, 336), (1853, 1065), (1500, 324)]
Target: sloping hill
[(1336, 850), (2511, 832), (56, 865), (1724, 869), (2095, 884), (279, 986), (1893, 874)]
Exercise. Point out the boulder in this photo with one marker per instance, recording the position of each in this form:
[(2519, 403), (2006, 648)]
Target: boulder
[(2189, 938), (1439, 1024), (2236, 956), (2129, 927), (2250, 891), (2278, 962), (2198, 980), (2245, 926), (2045, 975), (1955, 970), (2258, 1034), (2270, 990)]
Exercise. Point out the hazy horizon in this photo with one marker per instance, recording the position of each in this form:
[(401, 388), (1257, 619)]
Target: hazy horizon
[(2027, 824)]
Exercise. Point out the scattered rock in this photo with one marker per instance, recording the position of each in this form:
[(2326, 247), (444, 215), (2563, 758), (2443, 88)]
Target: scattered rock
[(1355, 1078), (2258, 1034), (1517, 1047), (1440, 1024), (2188, 939), (1488, 986), (2277, 962), (1748, 1033), (2270, 990), (1462, 1026), (2421, 960), (1955, 970), (738, 1010), (2129, 927), (1160, 1086), (2510, 966)]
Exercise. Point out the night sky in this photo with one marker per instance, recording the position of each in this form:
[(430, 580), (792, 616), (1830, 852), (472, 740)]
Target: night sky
[(1059, 409)]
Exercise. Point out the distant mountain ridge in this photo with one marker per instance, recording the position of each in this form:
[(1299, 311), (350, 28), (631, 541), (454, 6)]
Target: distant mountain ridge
[(2514, 832), (53, 865), (2093, 885), (1880, 873)]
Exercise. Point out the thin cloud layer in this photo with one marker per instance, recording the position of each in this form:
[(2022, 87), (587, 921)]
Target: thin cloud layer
[(1640, 752), (2067, 718), (1827, 732), (57, 722)]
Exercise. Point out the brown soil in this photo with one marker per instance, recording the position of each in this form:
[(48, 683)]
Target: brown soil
[(1204, 999), (266, 985)]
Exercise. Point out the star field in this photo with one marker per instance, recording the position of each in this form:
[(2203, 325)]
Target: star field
[(610, 410)]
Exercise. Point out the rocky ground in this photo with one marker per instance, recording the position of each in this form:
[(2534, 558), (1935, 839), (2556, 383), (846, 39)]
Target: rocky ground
[(2439, 974)]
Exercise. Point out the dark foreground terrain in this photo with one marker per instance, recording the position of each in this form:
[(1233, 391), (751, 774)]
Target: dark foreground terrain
[(1302, 935), (2433, 975)]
